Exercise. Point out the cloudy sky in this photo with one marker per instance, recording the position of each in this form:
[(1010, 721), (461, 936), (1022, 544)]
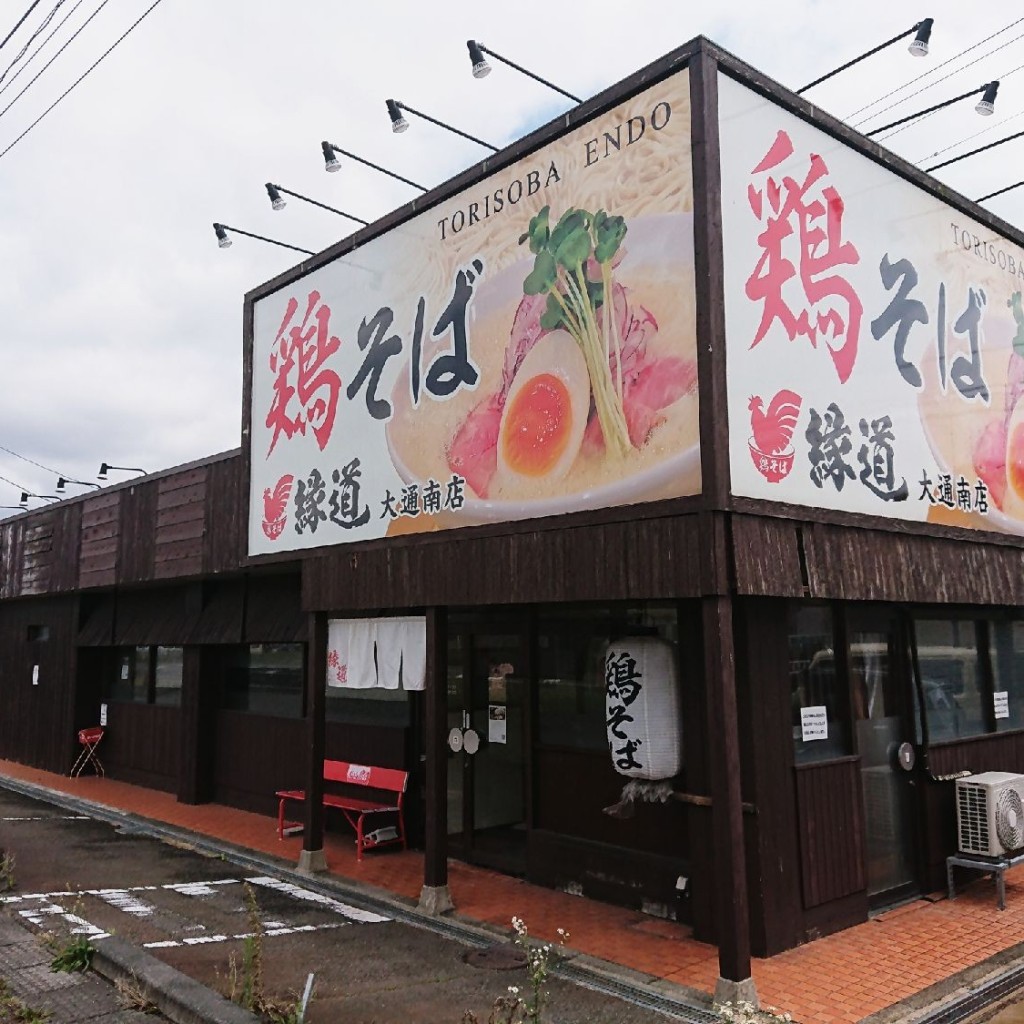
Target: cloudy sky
[(121, 327)]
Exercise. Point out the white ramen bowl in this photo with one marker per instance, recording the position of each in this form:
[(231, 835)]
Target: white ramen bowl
[(662, 240)]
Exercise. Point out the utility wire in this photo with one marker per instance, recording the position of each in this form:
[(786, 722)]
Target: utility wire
[(81, 77), (13, 484), (25, 458), (925, 88), (968, 138), (35, 52), (32, 38), (21, 20), (67, 43), (925, 74)]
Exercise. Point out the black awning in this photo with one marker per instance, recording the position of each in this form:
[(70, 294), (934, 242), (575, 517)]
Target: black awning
[(166, 615), (220, 621), (273, 610)]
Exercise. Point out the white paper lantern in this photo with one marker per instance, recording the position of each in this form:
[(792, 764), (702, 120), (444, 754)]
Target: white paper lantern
[(642, 708)]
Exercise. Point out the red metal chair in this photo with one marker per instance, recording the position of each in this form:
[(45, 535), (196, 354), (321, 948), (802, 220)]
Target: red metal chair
[(90, 740)]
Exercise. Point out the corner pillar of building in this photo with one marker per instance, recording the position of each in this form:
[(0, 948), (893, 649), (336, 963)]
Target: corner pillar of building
[(436, 897), (731, 904), (316, 704)]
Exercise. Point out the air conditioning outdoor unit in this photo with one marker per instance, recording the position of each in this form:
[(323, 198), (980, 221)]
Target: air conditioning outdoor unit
[(990, 813)]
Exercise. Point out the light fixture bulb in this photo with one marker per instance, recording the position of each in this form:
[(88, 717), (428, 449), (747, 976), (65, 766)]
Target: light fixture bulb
[(987, 104), (61, 482), (222, 240), (919, 47), (332, 165), (481, 69), (398, 122), (224, 243), (278, 203)]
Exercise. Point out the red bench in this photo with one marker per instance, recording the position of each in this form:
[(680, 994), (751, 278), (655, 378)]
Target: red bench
[(384, 780)]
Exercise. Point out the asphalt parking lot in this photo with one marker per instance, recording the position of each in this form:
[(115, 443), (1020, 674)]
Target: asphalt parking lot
[(192, 910)]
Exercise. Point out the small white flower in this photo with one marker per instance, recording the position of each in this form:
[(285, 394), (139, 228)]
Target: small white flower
[(513, 990)]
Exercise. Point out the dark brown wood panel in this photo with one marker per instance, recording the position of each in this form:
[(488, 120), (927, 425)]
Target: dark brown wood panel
[(142, 744), (37, 554), (643, 558), (12, 534), (181, 518), (67, 536), (101, 526), (224, 542), (831, 830), (166, 615), (767, 556), (137, 534), (848, 563), (36, 724), (273, 610)]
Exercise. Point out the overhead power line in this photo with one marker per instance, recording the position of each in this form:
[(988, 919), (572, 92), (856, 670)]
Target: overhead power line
[(32, 38), (82, 77), (930, 71), (25, 458), (21, 20), (13, 484), (35, 53), (67, 43), (956, 71)]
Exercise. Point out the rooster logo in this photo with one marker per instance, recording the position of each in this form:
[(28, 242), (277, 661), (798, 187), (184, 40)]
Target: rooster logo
[(771, 445), (274, 504)]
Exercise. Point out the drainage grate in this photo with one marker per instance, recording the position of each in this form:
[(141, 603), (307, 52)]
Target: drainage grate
[(977, 999), (505, 957)]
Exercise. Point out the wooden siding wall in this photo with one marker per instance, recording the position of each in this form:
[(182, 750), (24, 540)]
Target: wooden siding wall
[(141, 744), (786, 557), (831, 831), (179, 525), (36, 726), (240, 780), (642, 558)]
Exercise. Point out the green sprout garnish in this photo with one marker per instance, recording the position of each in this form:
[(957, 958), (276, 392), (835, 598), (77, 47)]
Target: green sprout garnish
[(577, 304)]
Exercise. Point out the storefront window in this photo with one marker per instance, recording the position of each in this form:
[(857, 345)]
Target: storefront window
[(818, 695), (951, 678), (168, 675), (266, 679), (571, 643), (1006, 649), (130, 681)]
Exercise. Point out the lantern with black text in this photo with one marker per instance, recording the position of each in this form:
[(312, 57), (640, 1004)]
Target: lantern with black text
[(642, 708)]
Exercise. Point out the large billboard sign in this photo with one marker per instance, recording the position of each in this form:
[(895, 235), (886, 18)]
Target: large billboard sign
[(874, 334), (524, 348)]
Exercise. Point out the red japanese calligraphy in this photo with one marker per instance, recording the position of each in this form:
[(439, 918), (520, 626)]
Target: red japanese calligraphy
[(298, 355), (829, 307)]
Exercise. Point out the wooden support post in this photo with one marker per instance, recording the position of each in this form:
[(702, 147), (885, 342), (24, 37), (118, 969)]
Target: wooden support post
[(731, 910), (435, 897), (196, 722), (312, 856)]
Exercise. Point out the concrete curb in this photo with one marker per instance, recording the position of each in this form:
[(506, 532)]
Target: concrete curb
[(176, 995)]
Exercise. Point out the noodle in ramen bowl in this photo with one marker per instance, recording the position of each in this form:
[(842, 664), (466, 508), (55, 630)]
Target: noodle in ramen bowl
[(475, 432)]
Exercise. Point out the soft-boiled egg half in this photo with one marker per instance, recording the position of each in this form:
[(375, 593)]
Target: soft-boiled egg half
[(545, 412)]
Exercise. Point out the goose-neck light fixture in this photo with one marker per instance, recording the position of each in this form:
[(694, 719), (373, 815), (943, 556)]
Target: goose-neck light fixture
[(25, 495), (106, 467), (918, 47), (985, 106), (63, 481), (399, 123), (277, 193), (224, 240), (333, 164), (481, 69)]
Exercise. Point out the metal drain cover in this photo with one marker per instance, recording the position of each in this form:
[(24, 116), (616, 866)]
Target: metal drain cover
[(506, 957)]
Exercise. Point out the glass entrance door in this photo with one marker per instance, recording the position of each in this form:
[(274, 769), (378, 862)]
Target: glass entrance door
[(488, 723), (880, 684)]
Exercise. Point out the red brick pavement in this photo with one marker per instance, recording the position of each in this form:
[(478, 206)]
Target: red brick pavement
[(835, 980)]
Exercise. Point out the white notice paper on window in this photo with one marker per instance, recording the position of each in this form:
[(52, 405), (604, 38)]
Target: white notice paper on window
[(1001, 703), (814, 723), (496, 723)]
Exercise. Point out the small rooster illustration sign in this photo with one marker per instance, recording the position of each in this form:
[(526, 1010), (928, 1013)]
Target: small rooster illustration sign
[(275, 504), (771, 445)]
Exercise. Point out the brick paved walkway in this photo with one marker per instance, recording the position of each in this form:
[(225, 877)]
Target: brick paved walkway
[(836, 980)]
